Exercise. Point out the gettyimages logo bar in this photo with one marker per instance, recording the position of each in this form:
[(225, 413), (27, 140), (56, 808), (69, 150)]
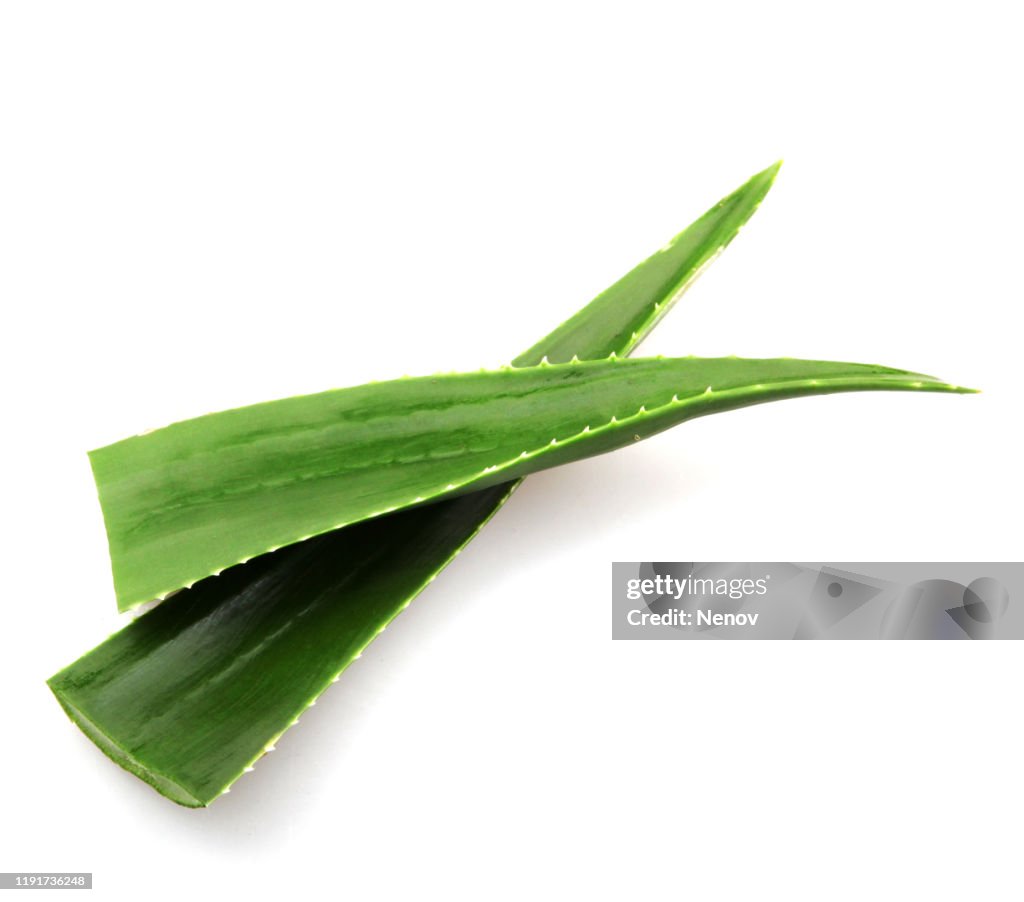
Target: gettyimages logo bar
[(675, 600)]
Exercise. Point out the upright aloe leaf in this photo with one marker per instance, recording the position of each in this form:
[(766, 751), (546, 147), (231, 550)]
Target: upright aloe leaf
[(311, 608)]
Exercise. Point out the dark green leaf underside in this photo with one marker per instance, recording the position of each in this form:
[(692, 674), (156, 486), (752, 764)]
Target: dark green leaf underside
[(193, 692)]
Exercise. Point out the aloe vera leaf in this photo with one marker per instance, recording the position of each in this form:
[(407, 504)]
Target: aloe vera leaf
[(191, 694), (187, 501), (347, 585), (184, 714)]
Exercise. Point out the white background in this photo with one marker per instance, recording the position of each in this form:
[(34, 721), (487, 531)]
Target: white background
[(205, 205)]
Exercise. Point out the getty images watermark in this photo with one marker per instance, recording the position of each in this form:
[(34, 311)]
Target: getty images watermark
[(675, 600)]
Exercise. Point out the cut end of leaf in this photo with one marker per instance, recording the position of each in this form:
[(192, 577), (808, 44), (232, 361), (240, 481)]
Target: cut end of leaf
[(166, 787)]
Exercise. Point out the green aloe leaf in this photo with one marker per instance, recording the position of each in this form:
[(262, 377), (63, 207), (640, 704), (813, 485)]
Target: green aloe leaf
[(311, 608), (188, 501)]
